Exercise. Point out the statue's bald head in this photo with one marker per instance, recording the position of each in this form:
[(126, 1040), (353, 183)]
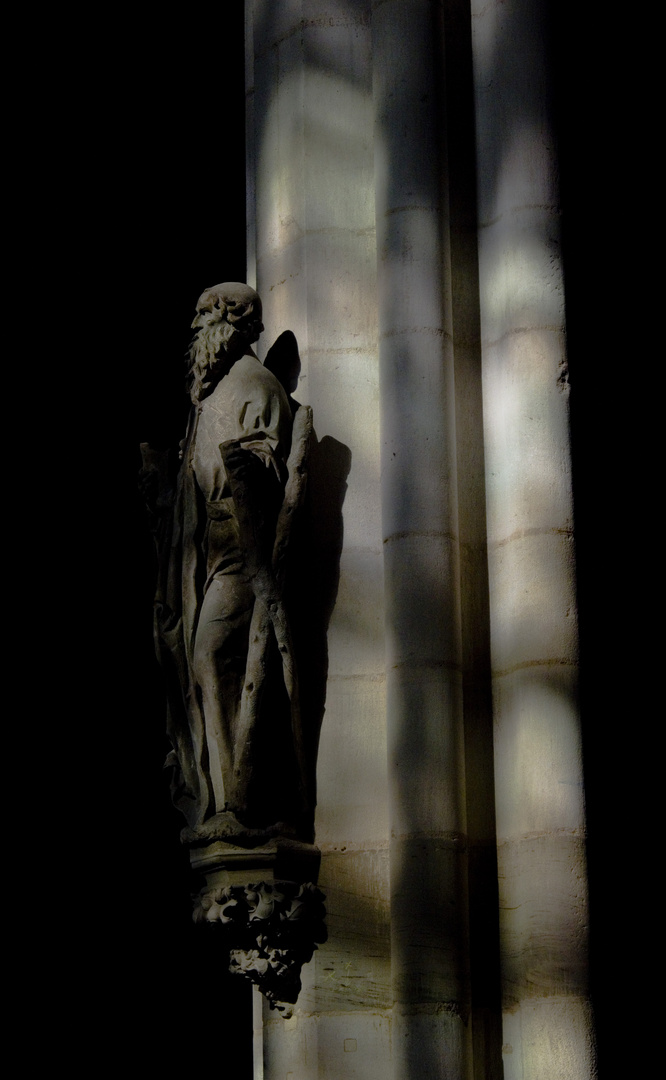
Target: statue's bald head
[(227, 323)]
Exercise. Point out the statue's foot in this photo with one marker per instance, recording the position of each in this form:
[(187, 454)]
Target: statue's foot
[(226, 826), (222, 826)]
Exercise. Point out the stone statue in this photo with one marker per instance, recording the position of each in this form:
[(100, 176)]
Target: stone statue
[(222, 626)]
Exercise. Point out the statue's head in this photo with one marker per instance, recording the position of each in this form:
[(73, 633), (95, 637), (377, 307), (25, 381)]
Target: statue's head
[(227, 323)]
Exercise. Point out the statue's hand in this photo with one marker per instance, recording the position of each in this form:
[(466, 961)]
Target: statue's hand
[(235, 455), (240, 455)]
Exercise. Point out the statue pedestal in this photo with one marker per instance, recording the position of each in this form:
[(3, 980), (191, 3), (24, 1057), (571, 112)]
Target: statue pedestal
[(222, 863), (265, 901)]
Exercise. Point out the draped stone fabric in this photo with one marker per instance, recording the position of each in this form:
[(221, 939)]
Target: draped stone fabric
[(220, 558)]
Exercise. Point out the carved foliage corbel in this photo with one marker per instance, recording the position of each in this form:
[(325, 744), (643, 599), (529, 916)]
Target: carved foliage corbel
[(271, 930)]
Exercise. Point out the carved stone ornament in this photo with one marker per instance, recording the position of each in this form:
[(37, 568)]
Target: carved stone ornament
[(272, 929)]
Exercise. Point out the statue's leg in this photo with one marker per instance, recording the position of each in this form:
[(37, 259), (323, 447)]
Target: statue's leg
[(220, 656)]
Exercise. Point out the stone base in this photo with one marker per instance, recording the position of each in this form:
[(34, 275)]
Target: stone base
[(271, 929), (222, 863), (265, 902)]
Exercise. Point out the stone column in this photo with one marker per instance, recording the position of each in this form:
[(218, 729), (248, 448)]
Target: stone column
[(310, 77), (538, 773), (421, 548)]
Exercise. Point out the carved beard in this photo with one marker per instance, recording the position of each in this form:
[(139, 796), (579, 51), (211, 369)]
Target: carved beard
[(208, 356)]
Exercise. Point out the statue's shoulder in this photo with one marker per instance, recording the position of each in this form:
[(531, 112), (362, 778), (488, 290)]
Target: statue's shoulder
[(251, 368), (248, 375)]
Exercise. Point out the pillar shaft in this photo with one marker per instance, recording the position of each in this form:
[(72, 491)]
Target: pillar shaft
[(312, 148), (421, 556), (538, 770)]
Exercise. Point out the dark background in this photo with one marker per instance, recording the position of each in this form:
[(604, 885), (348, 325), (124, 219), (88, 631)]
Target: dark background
[(160, 208)]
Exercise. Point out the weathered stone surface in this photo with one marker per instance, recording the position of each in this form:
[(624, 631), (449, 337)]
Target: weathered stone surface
[(543, 902), (352, 1046), (353, 969), (551, 1039), (543, 917)]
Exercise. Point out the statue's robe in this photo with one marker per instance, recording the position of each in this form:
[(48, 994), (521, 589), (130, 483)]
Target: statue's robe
[(208, 596)]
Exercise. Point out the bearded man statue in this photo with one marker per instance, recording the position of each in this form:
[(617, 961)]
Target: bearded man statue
[(222, 625)]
